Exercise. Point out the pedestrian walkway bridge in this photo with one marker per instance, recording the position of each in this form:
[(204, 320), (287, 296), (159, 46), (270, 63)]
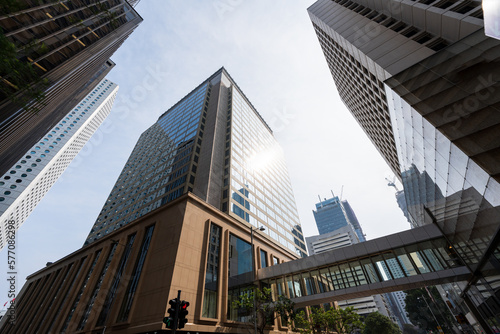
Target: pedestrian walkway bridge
[(406, 260)]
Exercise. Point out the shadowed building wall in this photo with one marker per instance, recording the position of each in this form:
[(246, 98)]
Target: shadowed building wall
[(68, 45), (123, 281)]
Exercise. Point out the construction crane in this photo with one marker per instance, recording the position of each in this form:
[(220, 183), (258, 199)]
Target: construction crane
[(391, 183)]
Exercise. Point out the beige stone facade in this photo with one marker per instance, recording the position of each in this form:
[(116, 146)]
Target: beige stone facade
[(173, 258)]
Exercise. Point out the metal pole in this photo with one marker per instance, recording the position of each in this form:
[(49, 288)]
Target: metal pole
[(425, 301), (176, 317), (253, 273)]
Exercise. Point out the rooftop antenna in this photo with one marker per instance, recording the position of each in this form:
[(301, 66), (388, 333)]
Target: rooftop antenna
[(341, 192)]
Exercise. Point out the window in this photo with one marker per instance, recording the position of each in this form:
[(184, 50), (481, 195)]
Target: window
[(210, 294), (80, 292), (240, 256), (97, 288), (116, 281), (136, 275), (263, 259)]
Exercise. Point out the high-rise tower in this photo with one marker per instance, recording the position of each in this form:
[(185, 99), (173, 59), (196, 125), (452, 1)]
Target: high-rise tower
[(30, 178), (60, 49), (182, 216), (366, 42), (214, 144), (422, 79), (332, 214)]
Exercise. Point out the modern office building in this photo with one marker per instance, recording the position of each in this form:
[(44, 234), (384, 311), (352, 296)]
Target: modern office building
[(342, 237), (24, 185), (62, 50), (351, 216), (214, 144), (199, 183), (367, 42), (122, 282), (401, 200), (332, 214), (421, 78)]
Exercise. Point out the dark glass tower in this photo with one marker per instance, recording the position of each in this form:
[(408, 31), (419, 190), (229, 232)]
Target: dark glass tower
[(425, 88), (67, 46), (351, 216), (332, 214), (214, 144)]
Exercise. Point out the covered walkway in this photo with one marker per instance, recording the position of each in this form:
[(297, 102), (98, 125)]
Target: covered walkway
[(401, 261)]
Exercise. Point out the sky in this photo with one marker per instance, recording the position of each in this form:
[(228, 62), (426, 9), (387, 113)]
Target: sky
[(271, 51)]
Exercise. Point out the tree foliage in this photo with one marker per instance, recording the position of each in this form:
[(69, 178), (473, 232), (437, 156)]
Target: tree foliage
[(266, 309), (342, 321), (377, 323), (19, 75), (10, 6), (418, 302), (410, 329)]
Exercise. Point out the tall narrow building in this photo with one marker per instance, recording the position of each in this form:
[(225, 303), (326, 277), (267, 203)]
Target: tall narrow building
[(421, 78), (58, 52), (214, 144), (29, 179)]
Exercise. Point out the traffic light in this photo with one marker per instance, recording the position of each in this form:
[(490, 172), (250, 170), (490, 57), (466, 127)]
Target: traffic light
[(170, 321), (182, 313)]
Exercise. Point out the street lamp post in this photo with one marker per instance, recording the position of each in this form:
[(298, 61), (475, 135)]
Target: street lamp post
[(425, 301), (262, 228)]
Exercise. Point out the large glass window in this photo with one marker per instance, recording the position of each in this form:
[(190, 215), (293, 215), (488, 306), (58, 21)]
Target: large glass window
[(116, 281), (136, 275), (240, 256), (212, 274), (235, 313), (54, 299), (82, 261), (239, 275), (80, 292), (97, 288), (263, 259)]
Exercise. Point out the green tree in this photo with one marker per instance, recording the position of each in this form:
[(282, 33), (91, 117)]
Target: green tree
[(418, 302), (342, 321), (410, 329), (377, 323), (20, 81), (10, 6), (266, 309)]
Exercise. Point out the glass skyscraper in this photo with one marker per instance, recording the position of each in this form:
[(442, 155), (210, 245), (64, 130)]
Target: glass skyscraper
[(332, 214), (214, 144), (425, 90)]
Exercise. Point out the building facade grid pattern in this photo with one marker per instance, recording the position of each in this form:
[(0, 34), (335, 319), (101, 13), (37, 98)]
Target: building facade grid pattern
[(27, 182)]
